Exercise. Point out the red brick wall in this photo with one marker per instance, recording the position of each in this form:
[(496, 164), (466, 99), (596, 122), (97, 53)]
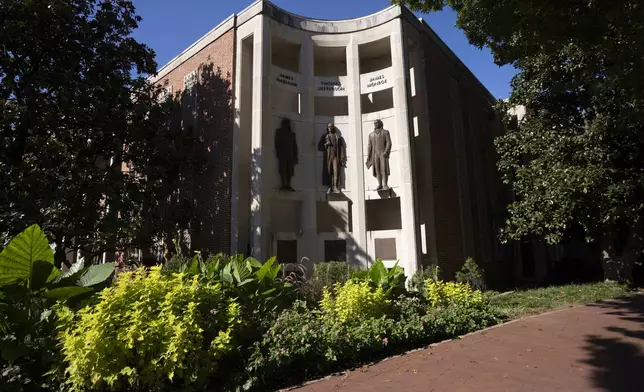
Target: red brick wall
[(472, 231), (212, 110), (447, 214)]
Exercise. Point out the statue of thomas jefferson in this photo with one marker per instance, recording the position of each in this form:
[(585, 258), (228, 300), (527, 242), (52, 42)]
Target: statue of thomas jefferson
[(286, 150), (378, 152), (335, 157)]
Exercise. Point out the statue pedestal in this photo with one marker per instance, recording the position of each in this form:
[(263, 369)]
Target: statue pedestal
[(386, 193), (336, 196)]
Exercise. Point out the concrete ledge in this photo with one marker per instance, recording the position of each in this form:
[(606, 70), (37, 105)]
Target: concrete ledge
[(331, 26)]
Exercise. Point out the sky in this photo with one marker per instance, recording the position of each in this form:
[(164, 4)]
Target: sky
[(170, 26)]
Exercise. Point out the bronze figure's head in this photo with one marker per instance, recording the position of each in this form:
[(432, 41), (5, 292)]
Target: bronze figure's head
[(286, 123), (377, 124), (331, 128)]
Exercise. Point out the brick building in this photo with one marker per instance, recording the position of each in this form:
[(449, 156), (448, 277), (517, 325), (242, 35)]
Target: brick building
[(446, 201)]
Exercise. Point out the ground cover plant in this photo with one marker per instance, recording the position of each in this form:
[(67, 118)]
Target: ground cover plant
[(533, 301)]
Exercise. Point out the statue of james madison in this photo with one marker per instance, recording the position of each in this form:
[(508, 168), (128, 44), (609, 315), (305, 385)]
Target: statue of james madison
[(286, 151)]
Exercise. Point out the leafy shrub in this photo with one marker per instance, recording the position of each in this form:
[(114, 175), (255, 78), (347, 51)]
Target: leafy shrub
[(148, 332), (175, 263), (177, 260), (353, 302), (29, 285), (331, 273), (257, 286), (324, 275), (392, 280), (446, 293), (305, 343), (417, 281), (473, 274)]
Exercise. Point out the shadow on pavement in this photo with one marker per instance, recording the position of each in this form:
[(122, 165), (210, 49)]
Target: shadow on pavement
[(618, 363)]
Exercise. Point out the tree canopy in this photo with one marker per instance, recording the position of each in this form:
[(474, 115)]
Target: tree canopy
[(77, 107), (576, 162)]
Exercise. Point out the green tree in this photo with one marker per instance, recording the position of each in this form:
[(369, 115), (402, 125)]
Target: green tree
[(576, 161), (76, 108)]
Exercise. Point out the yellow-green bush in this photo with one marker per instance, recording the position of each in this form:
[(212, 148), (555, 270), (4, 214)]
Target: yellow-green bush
[(148, 332), (353, 301), (441, 293)]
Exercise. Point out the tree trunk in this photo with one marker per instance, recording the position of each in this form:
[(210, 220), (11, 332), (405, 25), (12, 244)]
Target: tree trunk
[(620, 251)]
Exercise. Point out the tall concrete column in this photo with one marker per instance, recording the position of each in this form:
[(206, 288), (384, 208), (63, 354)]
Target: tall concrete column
[(260, 206), (409, 258), (359, 246), (307, 244)]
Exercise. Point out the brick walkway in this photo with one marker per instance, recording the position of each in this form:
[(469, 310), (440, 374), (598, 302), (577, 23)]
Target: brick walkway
[(597, 347)]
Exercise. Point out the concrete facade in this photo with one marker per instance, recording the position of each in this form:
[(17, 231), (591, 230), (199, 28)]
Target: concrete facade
[(446, 200)]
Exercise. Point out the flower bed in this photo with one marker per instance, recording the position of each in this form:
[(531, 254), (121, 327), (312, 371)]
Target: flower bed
[(225, 323)]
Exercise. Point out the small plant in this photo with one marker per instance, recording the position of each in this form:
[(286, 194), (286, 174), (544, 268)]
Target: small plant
[(391, 280), (331, 273), (353, 302), (417, 281), (447, 293), (325, 275), (473, 274)]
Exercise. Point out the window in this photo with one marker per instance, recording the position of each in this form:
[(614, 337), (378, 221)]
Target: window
[(335, 250), (287, 251), (190, 80), (165, 94)]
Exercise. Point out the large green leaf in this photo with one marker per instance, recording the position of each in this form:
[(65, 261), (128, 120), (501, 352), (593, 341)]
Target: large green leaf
[(265, 269), (193, 266), (17, 259), (227, 273), (40, 273), (96, 274), (75, 268), (65, 293), (253, 262), (241, 270), (275, 270), (378, 272)]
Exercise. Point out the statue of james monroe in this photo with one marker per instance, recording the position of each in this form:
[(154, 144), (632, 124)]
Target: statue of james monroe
[(286, 150), (378, 154)]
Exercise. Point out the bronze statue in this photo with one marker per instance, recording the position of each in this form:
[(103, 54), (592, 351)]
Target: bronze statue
[(378, 154), (286, 150), (335, 157)]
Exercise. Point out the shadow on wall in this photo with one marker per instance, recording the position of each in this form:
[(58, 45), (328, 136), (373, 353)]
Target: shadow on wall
[(214, 148), (255, 202), (189, 180), (341, 222), (617, 362)]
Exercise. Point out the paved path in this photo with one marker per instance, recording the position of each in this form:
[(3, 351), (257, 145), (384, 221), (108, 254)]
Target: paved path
[(597, 347)]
